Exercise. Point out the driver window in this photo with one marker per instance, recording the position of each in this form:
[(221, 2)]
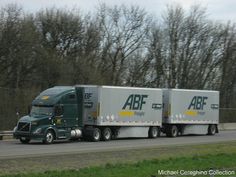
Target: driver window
[(69, 98)]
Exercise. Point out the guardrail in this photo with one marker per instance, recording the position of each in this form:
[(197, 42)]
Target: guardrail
[(227, 126), (221, 126), (5, 133)]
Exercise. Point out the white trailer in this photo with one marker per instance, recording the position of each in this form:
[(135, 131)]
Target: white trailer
[(118, 112), (190, 112)]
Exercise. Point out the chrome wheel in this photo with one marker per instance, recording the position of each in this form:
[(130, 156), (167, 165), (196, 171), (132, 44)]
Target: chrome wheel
[(153, 132), (49, 138), (106, 134), (96, 134), (211, 130), (172, 131)]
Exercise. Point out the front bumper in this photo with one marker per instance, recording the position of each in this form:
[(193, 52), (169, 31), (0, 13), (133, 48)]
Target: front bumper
[(20, 134)]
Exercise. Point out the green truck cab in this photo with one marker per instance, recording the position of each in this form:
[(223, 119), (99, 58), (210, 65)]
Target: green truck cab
[(53, 116)]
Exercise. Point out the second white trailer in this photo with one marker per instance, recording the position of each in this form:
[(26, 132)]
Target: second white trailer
[(190, 112)]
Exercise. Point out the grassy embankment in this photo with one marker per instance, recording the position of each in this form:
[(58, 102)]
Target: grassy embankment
[(195, 157)]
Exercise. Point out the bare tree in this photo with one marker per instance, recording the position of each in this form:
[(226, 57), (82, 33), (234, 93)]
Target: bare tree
[(173, 29), (189, 49), (158, 74), (228, 68), (61, 37), (123, 32), (18, 38)]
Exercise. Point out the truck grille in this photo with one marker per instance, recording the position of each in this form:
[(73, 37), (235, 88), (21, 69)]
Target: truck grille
[(23, 126)]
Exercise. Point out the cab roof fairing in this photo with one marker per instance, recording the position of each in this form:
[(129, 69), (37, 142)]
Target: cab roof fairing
[(52, 95)]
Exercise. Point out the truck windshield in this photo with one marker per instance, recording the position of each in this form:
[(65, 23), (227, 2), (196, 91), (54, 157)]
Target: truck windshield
[(41, 110)]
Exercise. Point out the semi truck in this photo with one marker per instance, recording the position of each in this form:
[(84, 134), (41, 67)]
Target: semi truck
[(97, 113)]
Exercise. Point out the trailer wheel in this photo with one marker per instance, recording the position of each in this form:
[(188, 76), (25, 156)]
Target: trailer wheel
[(153, 132), (96, 134), (212, 130), (106, 134), (24, 140), (172, 131), (49, 137)]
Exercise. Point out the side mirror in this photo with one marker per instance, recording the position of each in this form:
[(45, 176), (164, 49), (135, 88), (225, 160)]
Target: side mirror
[(58, 110)]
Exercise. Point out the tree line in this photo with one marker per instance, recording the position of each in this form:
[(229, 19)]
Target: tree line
[(117, 45)]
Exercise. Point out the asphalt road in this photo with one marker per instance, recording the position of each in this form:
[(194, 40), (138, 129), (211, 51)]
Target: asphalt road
[(14, 149)]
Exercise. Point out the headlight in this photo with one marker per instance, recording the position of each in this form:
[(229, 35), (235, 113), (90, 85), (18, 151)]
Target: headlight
[(38, 131)]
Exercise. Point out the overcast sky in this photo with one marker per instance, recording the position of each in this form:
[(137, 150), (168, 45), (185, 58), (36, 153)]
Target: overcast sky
[(220, 10)]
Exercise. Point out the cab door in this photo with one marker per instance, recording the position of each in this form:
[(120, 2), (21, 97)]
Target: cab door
[(70, 110)]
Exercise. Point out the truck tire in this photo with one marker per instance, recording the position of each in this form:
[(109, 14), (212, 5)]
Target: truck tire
[(153, 132), (212, 130), (172, 131), (49, 137), (106, 134), (24, 140), (96, 135)]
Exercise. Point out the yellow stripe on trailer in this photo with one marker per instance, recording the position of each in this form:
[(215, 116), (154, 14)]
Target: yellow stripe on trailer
[(126, 113), (191, 113)]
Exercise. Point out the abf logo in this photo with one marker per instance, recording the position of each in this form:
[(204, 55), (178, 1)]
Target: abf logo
[(197, 104), (134, 102)]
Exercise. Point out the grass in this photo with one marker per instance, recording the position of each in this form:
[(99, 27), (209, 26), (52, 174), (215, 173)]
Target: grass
[(125, 163), (146, 168)]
